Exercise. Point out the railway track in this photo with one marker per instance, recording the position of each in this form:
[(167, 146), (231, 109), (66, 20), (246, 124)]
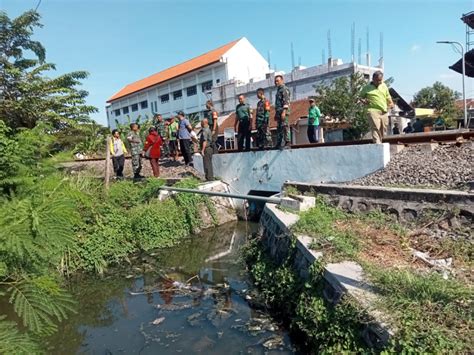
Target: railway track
[(405, 139)]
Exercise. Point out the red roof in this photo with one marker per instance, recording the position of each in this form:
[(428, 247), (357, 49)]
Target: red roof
[(298, 109), (173, 72), (469, 104)]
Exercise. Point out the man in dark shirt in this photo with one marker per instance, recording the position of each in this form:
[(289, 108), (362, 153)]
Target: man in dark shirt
[(408, 128), (395, 129), (418, 126), (242, 118), (184, 137), (207, 149)]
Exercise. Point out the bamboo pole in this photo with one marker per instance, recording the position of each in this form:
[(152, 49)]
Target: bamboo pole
[(107, 163)]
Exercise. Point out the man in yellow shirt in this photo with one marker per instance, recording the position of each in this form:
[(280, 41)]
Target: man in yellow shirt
[(378, 100)]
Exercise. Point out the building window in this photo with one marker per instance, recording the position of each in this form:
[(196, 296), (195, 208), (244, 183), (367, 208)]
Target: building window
[(192, 90), (218, 81), (165, 98), (143, 105), (125, 110), (177, 95), (117, 112), (156, 107), (134, 107), (206, 86)]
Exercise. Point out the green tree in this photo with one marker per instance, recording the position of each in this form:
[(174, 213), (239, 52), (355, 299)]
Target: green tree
[(28, 96), (440, 98), (341, 100)]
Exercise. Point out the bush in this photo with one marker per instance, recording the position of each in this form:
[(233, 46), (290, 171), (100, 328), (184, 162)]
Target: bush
[(158, 225)]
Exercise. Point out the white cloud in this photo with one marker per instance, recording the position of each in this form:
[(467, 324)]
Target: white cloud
[(415, 48)]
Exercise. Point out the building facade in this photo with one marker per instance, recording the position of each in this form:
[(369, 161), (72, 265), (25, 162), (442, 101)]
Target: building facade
[(301, 81), (187, 86)]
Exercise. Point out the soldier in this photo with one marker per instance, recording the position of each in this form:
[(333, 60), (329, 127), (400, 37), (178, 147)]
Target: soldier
[(207, 149), (212, 117), (160, 125), (136, 147), (262, 116), (282, 112), (242, 118)]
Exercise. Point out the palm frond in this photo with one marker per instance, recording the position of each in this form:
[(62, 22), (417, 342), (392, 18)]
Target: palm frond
[(12, 341), (40, 303)]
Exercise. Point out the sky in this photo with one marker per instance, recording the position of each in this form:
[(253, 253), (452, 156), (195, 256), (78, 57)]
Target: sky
[(121, 41)]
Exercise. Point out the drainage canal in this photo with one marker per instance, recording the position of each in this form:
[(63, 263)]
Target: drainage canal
[(194, 298)]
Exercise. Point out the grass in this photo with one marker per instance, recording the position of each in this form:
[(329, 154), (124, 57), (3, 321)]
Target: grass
[(432, 315), (319, 223)]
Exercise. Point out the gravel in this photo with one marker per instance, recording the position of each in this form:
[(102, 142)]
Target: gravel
[(168, 168), (447, 167)]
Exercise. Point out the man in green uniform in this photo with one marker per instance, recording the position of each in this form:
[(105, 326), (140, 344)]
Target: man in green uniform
[(161, 129), (207, 149), (313, 122), (173, 138), (282, 112), (136, 146), (242, 119), (378, 100), (262, 117), (212, 118)]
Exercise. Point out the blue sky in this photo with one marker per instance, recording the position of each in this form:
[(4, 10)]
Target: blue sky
[(121, 41)]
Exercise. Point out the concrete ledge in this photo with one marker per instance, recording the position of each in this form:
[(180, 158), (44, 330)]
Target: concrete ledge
[(392, 193)]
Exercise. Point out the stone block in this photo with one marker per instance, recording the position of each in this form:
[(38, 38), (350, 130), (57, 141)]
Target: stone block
[(396, 148), (298, 203)]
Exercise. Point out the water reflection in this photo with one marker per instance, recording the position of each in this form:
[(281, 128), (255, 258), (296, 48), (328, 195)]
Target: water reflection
[(188, 299)]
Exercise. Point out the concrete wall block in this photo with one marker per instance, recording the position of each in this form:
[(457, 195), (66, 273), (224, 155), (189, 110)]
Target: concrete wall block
[(268, 170)]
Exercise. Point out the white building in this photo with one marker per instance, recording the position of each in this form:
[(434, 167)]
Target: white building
[(301, 81), (187, 86)]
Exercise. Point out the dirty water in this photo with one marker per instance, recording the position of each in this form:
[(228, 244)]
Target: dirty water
[(192, 299)]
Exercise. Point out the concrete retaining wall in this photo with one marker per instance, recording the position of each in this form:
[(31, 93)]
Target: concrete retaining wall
[(268, 170), (345, 277), (404, 203)]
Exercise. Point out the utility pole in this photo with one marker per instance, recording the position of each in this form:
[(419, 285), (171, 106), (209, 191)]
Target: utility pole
[(463, 63)]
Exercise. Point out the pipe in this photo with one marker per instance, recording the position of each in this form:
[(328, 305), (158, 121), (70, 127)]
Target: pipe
[(274, 200)]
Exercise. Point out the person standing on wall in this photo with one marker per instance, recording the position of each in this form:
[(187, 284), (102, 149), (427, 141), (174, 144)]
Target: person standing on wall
[(136, 146), (262, 117), (282, 113), (117, 151), (378, 100), (212, 118), (242, 119), (207, 149), (152, 150), (184, 136), (313, 122)]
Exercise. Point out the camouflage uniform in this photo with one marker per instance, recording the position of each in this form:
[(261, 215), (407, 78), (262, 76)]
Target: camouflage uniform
[(211, 117), (282, 101), (161, 129), (136, 147), (263, 114)]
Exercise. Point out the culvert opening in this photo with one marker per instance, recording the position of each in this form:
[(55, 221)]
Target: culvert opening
[(255, 208)]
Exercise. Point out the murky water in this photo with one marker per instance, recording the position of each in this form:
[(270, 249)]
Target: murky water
[(190, 299)]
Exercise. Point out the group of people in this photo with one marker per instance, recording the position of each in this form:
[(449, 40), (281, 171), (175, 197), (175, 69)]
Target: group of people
[(162, 139), (164, 136)]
